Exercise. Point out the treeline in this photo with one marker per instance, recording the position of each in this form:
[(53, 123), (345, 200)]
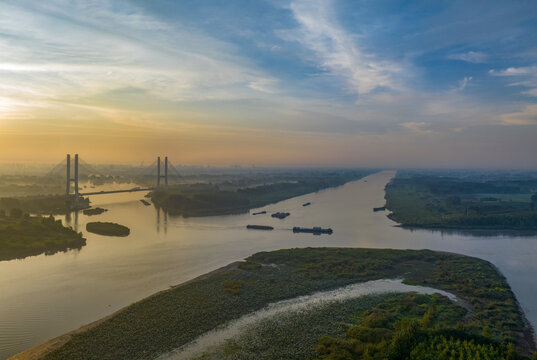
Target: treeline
[(53, 204)]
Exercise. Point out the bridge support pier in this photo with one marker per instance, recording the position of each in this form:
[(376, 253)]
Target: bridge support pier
[(72, 180), (165, 176)]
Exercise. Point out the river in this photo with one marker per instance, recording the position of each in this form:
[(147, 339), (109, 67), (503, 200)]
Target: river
[(44, 296)]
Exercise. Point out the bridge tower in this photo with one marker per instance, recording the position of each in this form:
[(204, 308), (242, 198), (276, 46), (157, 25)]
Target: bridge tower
[(165, 176), (69, 179)]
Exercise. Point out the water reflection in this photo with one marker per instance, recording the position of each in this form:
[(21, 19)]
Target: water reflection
[(161, 221), (71, 219), (475, 233)]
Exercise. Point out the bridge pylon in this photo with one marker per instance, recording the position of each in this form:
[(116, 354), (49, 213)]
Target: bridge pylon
[(165, 176), (70, 179)]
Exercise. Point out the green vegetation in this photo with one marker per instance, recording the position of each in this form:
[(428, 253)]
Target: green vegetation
[(94, 211), (24, 235), (413, 327), (435, 201), (293, 334), (174, 317), (107, 228), (53, 204), (207, 199)]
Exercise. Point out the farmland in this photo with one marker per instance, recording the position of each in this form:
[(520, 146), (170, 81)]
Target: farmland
[(466, 201)]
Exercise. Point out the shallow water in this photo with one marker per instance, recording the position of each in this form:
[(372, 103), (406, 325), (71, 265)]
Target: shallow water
[(44, 296), (318, 299)]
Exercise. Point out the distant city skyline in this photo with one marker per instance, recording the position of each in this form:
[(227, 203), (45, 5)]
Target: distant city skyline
[(342, 83)]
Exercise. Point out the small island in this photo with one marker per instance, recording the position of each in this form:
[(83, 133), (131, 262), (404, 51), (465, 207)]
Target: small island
[(94, 211), (107, 229)]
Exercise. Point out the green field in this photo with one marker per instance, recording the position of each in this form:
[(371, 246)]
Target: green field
[(435, 201), (209, 199), (23, 235), (174, 317)]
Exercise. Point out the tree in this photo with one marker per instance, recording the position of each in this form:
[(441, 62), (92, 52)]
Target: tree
[(16, 213)]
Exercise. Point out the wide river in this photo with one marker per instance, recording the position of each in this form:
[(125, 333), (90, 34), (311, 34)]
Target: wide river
[(44, 296)]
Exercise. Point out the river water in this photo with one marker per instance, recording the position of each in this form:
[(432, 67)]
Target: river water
[(44, 296)]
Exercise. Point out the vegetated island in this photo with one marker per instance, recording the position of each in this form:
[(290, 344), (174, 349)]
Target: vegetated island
[(94, 211), (382, 326), (463, 201), (22, 235), (107, 228), (207, 199)]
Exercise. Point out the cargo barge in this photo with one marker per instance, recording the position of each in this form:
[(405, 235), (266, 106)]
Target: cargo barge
[(316, 230), (280, 215), (259, 227), (382, 208)]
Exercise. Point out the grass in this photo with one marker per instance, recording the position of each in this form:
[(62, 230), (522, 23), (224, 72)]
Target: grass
[(208, 199), (107, 228), (177, 316), (263, 340), (33, 235)]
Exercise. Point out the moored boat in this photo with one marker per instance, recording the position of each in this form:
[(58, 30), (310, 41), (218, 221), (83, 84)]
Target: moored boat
[(280, 215)]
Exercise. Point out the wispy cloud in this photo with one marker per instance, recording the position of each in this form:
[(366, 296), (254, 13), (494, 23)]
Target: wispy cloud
[(67, 50), (475, 57), (336, 50), (462, 84), (528, 116), (418, 127), (523, 76)]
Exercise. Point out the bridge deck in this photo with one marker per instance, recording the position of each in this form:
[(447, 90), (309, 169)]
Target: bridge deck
[(115, 191)]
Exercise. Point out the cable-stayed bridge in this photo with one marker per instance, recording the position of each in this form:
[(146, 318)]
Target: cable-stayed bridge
[(75, 169)]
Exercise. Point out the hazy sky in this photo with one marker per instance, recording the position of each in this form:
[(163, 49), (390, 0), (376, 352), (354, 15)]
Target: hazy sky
[(310, 83)]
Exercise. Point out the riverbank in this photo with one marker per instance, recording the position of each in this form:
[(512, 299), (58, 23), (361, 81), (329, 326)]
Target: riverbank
[(462, 202), (172, 318), (209, 199)]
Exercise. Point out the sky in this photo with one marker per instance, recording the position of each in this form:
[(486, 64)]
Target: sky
[(324, 83)]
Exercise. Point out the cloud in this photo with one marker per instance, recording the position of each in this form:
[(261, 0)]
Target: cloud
[(474, 57), (462, 84), (525, 76), (59, 50), (526, 117), (418, 127), (264, 85), (336, 50), (515, 71)]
